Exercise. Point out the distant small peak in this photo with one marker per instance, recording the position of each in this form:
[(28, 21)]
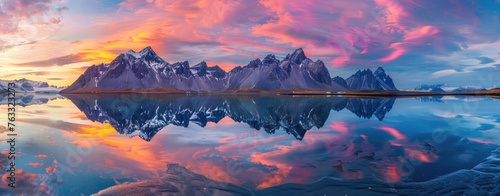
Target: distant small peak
[(364, 72), (298, 56), (270, 56)]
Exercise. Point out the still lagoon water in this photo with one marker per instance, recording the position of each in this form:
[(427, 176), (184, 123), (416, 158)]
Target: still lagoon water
[(83, 144)]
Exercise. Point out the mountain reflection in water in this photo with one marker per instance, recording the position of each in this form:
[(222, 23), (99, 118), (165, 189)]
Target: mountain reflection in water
[(144, 115), (417, 146)]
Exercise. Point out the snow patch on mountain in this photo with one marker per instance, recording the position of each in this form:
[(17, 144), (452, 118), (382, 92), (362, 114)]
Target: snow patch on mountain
[(29, 86), (444, 88)]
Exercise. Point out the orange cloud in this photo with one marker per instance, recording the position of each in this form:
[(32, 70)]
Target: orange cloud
[(58, 61), (50, 169), (35, 164), (41, 156)]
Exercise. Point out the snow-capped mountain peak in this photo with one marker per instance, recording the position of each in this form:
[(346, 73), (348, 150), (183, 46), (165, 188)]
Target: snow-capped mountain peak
[(200, 68), (146, 71), (444, 88), (25, 85), (297, 56), (147, 55), (368, 80), (133, 53)]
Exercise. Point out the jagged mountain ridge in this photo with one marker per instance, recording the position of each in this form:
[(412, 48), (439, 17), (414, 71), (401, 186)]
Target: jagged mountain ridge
[(28, 86), (444, 88), (436, 88), (144, 116), (368, 80), (146, 71)]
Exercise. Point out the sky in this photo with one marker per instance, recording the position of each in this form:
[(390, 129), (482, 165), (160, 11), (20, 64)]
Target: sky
[(415, 41)]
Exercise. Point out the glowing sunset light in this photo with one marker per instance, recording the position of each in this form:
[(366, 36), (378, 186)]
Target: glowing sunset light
[(66, 37)]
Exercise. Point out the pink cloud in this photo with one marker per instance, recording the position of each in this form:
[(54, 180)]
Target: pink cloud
[(244, 41), (227, 139), (394, 132), (399, 49), (340, 127), (26, 9), (228, 49), (413, 37), (421, 32)]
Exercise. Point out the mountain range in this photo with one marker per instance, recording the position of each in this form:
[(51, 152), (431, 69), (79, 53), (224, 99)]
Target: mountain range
[(29, 99), (145, 71), (29, 86), (444, 88)]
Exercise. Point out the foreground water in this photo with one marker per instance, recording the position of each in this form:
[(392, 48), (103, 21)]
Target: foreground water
[(82, 144)]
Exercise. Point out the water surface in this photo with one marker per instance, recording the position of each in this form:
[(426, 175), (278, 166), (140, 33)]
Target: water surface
[(81, 144)]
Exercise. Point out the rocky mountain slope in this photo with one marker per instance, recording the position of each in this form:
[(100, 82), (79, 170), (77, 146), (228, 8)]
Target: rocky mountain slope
[(368, 80), (145, 71)]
